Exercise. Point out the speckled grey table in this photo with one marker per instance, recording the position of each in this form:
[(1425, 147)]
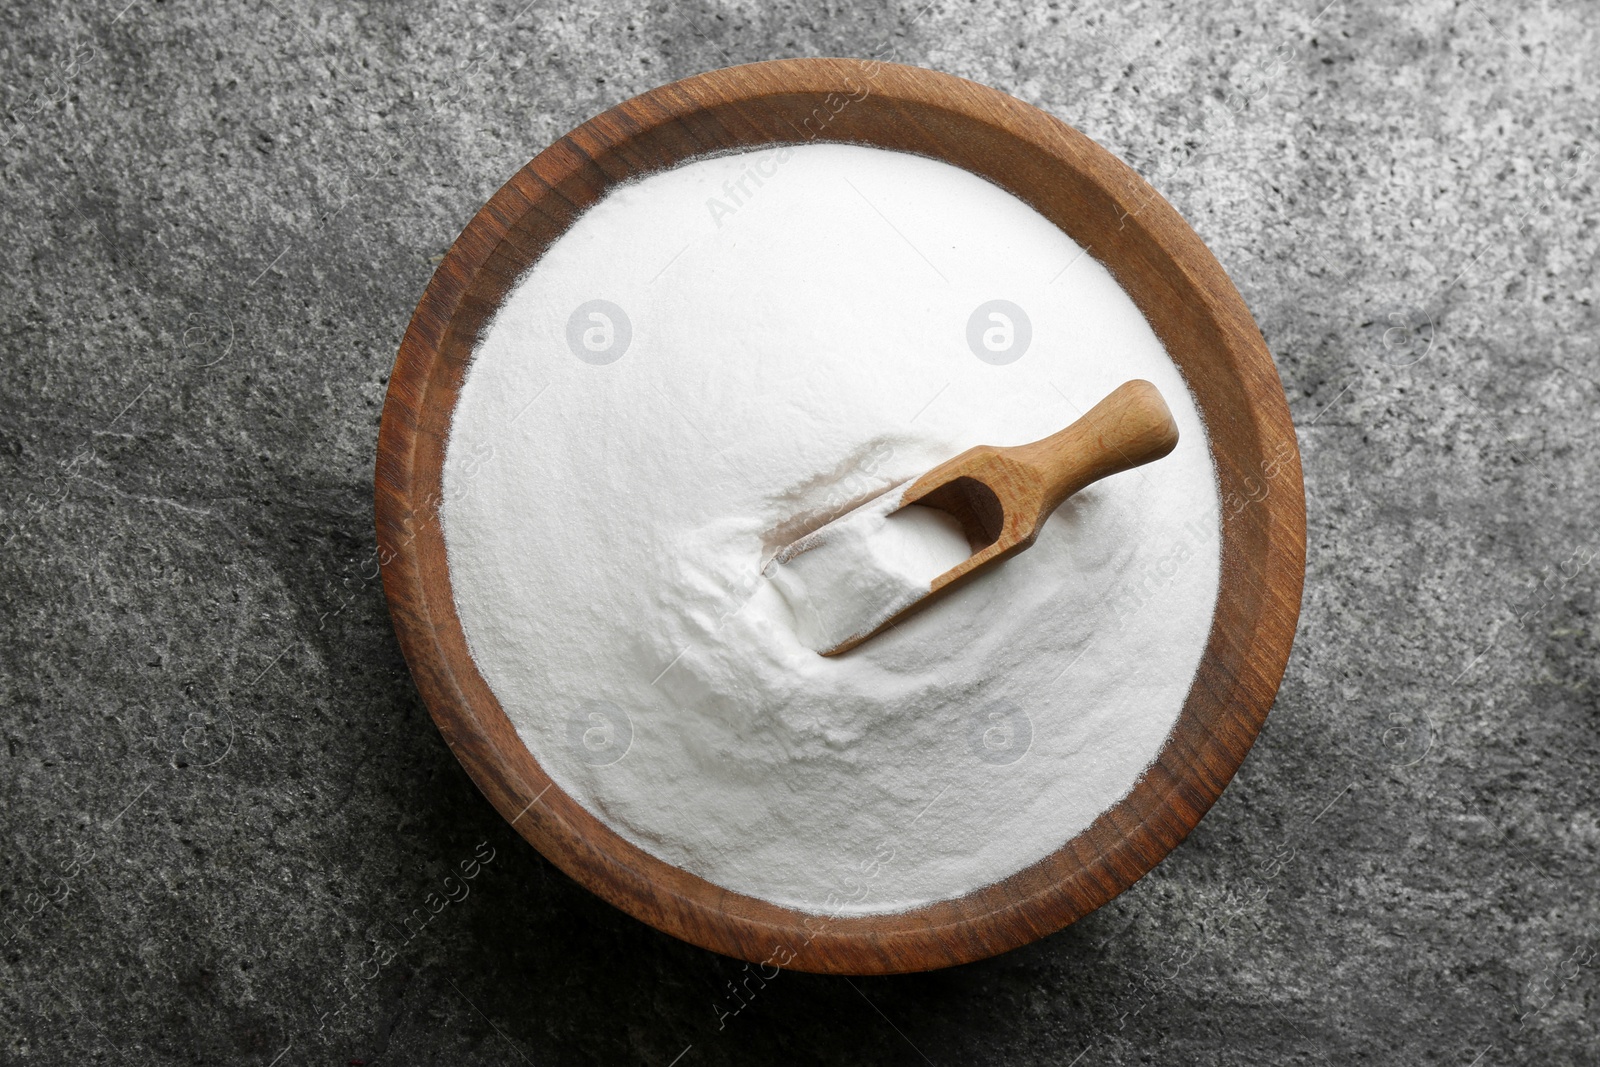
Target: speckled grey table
[(223, 801)]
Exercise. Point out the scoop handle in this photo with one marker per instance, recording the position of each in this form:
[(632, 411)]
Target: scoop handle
[(1129, 428)]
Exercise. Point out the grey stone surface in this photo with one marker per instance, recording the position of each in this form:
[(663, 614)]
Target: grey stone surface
[(222, 796)]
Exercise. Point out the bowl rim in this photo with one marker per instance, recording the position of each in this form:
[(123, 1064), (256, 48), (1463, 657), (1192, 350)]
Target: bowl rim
[(1100, 202)]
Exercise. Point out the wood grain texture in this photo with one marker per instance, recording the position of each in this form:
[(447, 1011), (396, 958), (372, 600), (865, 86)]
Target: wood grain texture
[(1001, 495), (1154, 255)]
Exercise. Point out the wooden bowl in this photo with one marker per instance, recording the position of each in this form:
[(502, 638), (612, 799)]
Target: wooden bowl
[(1101, 204)]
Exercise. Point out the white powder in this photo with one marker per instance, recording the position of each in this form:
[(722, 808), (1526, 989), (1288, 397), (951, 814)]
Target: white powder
[(770, 354), (879, 560)]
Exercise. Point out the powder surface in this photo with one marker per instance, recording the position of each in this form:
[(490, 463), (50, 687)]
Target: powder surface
[(845, 579), (718, 359)]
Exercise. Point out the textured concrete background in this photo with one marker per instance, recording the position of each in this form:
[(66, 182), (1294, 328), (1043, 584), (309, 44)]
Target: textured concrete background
[(223, 797)]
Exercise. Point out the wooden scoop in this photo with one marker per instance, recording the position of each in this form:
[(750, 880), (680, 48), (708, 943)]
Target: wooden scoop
[(1002, 496)]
